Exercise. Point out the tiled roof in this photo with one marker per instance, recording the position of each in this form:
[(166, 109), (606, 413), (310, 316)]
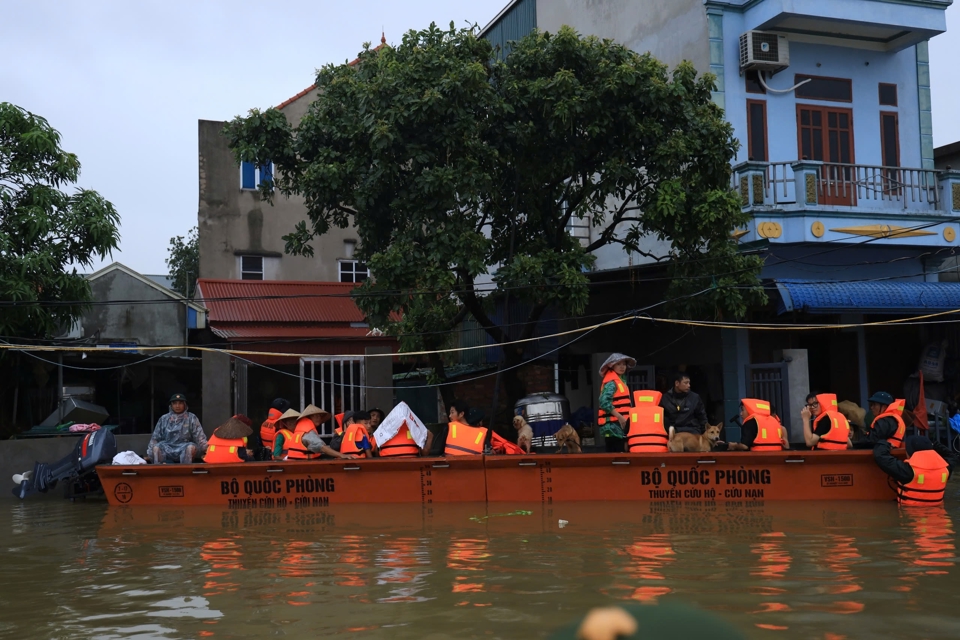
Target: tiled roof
[(253, 331), (289, 101), (867, 297), (278, 301)]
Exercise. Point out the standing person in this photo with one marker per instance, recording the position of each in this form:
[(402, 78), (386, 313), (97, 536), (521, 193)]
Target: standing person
[(615, 403), (922, 478), (823, 426), (682, 408), (268, 430), (178, 436), (888, 426)]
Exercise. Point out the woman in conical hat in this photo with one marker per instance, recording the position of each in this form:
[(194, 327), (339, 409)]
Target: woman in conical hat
[(615, 401)]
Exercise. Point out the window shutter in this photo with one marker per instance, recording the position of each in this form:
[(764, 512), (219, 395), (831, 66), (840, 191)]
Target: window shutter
[(248, 175), (266, 172)]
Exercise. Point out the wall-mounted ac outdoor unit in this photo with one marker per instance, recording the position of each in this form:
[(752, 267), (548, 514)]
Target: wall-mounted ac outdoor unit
[(764, 51)]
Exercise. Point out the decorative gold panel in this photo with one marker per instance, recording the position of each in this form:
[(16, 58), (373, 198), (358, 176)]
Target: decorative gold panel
[(956, 196), (817, 228), (769, 230), (949, 234), (883, 231), (744, 190), (811, 184), (757, 189)]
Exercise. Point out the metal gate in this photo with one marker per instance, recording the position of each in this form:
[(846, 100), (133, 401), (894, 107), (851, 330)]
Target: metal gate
[(332, 383), (239, 387), (640, 377), (769, 382)]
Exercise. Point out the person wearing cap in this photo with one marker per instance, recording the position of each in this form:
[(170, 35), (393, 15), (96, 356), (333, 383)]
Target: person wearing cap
[(682, 408), (922, 478), (268, 430), (178, 436), (615, 402), (310, 420), (228, 443), (888, 425), (286, 424)]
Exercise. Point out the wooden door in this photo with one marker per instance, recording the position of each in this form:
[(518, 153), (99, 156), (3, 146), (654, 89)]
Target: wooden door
[(826, 134)]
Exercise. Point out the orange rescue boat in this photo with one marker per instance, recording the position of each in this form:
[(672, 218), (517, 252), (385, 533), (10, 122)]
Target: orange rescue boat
[(548, 479)]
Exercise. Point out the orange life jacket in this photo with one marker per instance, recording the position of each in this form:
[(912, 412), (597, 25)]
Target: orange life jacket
[(224, 450), (464, 440), (769, 429), (268, 430), (930, 474), (895, 411), (504, 446), (339, 419), (352, 435), (287, 435), (401, 445), (839, 434), (621, 398), (293, 446), (646, 432)]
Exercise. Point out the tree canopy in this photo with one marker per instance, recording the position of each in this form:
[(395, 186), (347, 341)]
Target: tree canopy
[(464, 171), (45, 232), (183, 260)]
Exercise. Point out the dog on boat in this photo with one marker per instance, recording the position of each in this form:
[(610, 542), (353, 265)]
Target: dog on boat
[(524, 433), (568, 439), (682, 441)]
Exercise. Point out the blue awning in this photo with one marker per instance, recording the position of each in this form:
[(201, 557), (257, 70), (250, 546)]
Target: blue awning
[(867, 297)]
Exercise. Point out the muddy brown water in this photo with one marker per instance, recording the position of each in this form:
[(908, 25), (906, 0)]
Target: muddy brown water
[(775, 570)]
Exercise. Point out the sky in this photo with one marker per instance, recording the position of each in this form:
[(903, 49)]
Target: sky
[(126, 82)]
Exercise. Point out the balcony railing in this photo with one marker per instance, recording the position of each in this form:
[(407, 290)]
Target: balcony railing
[(845, 185)]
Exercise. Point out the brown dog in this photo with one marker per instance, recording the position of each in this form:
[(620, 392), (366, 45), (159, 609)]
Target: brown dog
[(567, 438), (524, 433), (680, 442)]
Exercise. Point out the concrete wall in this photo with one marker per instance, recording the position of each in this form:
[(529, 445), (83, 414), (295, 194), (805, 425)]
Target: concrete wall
[(145, 324), (217, 390), (17, 456), (234, 221), (672, 31), (378, 374)]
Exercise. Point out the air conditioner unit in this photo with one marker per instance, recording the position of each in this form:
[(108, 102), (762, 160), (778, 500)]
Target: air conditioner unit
[(764, 51)]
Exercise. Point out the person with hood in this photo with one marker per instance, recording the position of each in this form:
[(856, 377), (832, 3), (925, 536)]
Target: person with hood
[(178, 436), (922, 478), (615, 402), (682, 408)]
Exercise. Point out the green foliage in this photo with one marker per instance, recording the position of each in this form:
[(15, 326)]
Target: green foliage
[(184, 262), (456, 166), (45, 233)]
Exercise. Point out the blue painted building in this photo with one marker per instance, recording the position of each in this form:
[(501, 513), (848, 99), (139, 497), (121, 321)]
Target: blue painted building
[(830, 100)]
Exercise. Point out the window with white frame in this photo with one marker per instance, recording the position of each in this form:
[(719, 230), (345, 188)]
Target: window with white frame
[(251, 175), (251, 267), (353, 271)]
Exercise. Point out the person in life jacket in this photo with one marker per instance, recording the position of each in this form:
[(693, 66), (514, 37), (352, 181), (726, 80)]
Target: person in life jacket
[(356, 437), (459, 438), (268, 430), (645, 430), (922, 478), (615, 402), (306, 443), (229, 443), (888, 426), (760, 429), (401, 445), (286, 424), (823, 426)]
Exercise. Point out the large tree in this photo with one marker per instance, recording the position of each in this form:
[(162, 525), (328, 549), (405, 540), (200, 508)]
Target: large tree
[(456, 165), (45, 232), (183, 260)]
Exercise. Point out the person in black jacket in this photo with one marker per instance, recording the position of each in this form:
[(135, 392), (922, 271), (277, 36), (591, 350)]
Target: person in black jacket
[(903, 472), (683, 409), (882, 428)]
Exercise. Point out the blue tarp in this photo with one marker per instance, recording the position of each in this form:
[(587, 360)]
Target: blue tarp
[(867, 297)]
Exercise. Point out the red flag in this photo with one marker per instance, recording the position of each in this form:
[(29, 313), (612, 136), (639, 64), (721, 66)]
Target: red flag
[(920, 419)]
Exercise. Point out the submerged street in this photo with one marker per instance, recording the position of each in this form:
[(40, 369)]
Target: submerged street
[(775, 570)]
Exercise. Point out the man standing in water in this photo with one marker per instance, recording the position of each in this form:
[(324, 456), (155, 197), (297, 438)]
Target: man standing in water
[(178, 436), (922, 478)]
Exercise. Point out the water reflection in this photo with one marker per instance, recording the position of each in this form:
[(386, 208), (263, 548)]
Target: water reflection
[(806, 570)]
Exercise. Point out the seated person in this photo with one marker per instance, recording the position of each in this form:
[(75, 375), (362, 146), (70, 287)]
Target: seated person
[(437, 442), (228, 443), (307, 424), (376, 417), (178, 436), (356, 437)]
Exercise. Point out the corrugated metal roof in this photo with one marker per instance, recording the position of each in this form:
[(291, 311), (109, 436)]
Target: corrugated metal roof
[(278, 301), (867, 297), (243, 331)]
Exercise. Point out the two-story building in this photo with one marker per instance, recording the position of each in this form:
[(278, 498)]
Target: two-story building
[(262, 299), (830, 100)]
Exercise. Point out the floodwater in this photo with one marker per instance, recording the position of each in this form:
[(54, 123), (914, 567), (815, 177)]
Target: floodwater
[(775, 570)]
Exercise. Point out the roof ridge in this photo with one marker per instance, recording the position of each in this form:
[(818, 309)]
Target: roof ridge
[(289, 101)]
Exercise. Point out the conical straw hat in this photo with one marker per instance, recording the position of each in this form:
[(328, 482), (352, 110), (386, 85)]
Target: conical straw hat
[(232, 429), (313, 410)]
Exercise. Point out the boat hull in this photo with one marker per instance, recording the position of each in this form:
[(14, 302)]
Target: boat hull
[(685, 477)]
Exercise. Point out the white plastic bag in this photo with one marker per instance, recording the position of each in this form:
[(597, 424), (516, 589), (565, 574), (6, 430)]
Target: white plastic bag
[(932, 359), (128, 457)]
